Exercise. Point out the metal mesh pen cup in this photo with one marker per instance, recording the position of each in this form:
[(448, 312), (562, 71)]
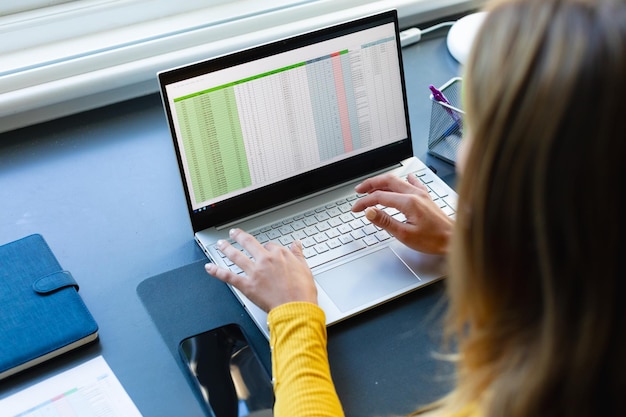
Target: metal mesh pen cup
[(446, 124)]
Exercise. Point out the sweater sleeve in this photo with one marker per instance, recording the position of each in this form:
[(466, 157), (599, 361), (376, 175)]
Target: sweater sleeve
[(301, 373)]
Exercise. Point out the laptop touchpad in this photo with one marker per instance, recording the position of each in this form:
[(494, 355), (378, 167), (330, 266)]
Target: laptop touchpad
[(366, 279)]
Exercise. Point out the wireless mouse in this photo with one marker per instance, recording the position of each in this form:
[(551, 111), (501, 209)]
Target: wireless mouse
[(461, 35)]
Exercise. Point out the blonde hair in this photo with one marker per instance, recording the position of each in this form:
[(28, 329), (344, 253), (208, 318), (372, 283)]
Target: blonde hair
[(537, 281)]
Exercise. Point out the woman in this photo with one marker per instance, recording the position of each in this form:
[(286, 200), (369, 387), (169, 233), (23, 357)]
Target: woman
[(536, 278)]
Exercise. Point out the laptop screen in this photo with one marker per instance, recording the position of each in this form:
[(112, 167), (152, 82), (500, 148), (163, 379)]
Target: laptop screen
[(251, 123)]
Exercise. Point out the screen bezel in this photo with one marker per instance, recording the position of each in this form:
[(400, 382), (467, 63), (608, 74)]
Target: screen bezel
[(307, 183)]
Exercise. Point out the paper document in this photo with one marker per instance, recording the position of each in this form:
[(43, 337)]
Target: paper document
[(87, 390)]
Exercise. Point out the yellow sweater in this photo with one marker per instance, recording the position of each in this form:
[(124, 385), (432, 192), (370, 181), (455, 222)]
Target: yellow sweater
[(302, 382)]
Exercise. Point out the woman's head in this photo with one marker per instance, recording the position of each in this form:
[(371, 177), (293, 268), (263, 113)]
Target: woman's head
[(536, 276)]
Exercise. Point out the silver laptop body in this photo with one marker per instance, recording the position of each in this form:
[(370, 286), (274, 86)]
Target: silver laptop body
[(273, 140)]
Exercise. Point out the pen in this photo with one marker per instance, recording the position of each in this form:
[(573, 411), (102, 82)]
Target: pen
[(439, 97)]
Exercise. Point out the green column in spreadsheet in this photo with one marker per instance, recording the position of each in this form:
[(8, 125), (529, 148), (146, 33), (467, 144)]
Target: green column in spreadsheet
[(213, 142)]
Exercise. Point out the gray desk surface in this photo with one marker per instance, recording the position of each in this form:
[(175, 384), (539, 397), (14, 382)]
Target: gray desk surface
[(103, 188)]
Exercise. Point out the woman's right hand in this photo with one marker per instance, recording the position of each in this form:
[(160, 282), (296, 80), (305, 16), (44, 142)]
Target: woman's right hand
[(427, 228)]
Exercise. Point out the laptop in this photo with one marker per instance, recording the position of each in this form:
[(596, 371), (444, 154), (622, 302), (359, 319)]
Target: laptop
[(273, 140)]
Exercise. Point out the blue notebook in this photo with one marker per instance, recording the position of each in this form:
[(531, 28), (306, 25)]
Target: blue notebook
[(41, 313)]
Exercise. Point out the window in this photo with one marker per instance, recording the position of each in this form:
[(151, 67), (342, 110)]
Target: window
[(17, 6), (63, 56)]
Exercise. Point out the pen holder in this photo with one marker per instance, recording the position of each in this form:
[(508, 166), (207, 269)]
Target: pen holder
[(446, 122)]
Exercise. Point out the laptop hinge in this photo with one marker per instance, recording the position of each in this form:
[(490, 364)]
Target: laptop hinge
[(308, 196)]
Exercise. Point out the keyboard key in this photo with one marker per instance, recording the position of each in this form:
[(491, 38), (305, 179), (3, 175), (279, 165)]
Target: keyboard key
[(310, 221), (285, 230), (333, 243), (333, 212), (298, 225), (336, 253), (344, 229), (400, 217), (370, 229), (426, 179), (308, 242), (345, 208), (391, 210), (452, 201), (382, 235), (356, 224), (322, 217), (346, 217), (320, 238), (299, 234), (357, 234), (273, 234), (321, 248), (310, 231), (335, 222), (322, 226), (370, 240), (345, 239), (438, 189)]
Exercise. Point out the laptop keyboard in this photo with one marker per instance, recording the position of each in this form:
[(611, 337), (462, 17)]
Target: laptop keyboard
[(331, 231)]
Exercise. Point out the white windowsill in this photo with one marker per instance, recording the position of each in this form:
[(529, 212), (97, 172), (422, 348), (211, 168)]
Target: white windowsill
[(122, 63)]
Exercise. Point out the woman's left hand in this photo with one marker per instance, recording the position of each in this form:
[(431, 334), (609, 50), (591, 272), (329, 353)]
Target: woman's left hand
[(275, 275)]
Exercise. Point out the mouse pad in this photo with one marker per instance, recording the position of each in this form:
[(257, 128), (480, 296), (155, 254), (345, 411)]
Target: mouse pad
[(187, 301), (382, 361)]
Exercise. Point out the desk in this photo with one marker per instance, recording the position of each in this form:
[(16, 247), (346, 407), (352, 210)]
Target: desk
[(103, 188)]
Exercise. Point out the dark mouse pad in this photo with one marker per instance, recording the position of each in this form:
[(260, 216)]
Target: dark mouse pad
[(187, 301), (381, 361)]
